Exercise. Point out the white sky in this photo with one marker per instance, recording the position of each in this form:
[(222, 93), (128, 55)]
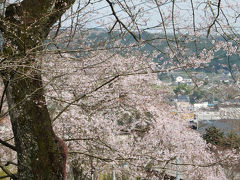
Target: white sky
[(150, 16)]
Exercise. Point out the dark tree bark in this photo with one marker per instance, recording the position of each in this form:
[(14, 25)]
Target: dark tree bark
[(41, 155)]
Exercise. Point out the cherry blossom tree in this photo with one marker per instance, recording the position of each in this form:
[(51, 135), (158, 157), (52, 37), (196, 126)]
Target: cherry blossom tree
[(121, 122)]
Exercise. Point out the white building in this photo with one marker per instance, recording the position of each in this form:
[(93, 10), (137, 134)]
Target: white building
[(207, 114), (179, 79), (221, 111), (200, 105), (229, 111)]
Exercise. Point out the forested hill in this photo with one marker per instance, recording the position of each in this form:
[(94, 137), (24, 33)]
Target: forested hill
[(152, 41)]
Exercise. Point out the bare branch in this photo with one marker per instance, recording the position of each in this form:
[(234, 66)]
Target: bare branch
[(84, 95), (113, 27), (7, 171), (209, 29), (120, 22), (10, 162), (2, 98), (194, 25), (78, 139), (58, 28), (3, 177), (8, 145)]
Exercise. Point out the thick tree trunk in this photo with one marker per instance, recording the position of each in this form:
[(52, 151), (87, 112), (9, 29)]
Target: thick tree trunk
[(41, 155)]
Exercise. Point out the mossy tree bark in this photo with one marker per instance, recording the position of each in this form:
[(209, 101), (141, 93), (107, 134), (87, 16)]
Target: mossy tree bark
[(24, 28), (40, 156)]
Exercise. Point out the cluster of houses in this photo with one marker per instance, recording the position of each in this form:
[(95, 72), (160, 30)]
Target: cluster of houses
[(206, 111), (225, 79)]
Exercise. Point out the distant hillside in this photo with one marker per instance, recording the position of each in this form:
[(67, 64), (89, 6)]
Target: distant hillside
[(96, 38)]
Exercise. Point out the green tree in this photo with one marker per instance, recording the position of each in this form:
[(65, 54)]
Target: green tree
[(182, 89), (214, 136), (196, 96), (232, 140), (217, 137)]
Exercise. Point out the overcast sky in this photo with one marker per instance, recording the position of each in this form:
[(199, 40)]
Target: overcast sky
[(101, 14)]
